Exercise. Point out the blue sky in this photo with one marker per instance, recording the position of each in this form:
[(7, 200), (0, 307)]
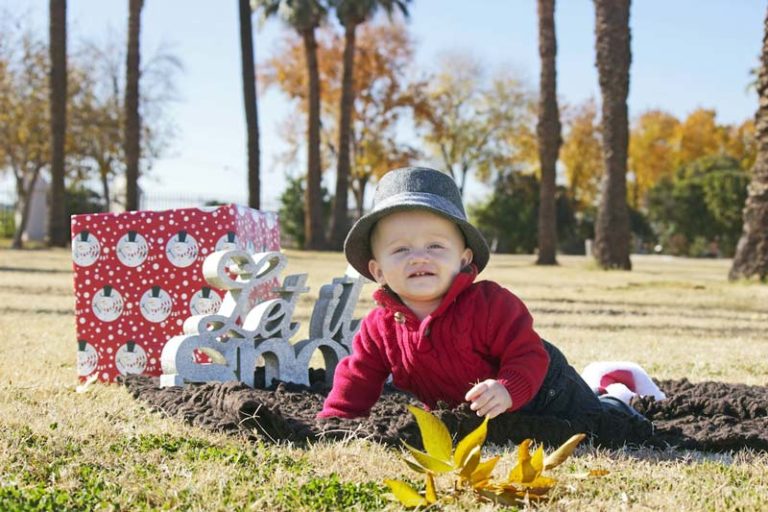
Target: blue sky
[(686, 54)]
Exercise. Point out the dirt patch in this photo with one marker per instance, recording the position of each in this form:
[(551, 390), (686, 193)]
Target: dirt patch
[(710, 416)]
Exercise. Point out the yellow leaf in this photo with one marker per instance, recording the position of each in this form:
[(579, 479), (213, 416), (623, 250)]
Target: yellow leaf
[(429, 462), (540, 485), (502, 497), (471, 462), (473, 439), (537, 461), (524, 470), (565, 450), (483, 471), (431, 493), (434, 434), (414, 466), (406, 494)]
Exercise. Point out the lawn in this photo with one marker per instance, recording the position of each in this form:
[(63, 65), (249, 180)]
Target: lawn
[(102, 449)]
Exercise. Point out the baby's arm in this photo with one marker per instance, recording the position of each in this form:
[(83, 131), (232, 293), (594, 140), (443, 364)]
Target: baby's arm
[(511, 339), (489, 398), (358, 380)]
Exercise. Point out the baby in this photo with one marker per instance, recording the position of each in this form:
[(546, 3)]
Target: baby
[(441, 335)]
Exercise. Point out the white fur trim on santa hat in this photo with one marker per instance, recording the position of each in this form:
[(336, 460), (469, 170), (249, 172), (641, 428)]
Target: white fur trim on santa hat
[(622, 379)]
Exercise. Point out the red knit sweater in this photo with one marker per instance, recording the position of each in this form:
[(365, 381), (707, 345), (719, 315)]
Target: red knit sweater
[(479, 331)]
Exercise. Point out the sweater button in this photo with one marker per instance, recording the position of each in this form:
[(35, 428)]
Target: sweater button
[(399, 317), (552, 392)]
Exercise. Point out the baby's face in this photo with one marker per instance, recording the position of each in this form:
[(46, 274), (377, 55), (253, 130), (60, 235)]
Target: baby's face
[(417, 253)]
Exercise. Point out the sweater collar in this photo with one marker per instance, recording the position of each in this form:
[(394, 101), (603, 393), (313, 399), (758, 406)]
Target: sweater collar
[(388, 299)]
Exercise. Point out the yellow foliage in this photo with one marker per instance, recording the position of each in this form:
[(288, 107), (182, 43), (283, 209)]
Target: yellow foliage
[(581, 153), (524, 482)]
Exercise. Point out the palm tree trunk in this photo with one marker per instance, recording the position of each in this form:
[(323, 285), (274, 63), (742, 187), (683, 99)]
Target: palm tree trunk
[(612, 236), (313, 212), (132, 118), (339, 220), (548, 132), (751, 258), (249, 97), (57, 220)]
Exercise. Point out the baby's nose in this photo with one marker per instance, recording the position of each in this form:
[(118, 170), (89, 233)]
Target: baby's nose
[(419, 255)]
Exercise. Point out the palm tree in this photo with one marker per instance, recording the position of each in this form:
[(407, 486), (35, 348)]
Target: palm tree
[(752, 251), (132, 117), (548, 133), (612, 235), (57, 220), (351, 13), (249, 97), (305, 16)]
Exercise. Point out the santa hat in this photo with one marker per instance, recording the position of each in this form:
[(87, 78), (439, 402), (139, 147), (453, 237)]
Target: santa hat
[(621, 379)]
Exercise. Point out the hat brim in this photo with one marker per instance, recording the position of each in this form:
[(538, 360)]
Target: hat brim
[(357, 246)]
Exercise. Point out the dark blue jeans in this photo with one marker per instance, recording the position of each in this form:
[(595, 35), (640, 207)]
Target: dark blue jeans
[(566, 396)]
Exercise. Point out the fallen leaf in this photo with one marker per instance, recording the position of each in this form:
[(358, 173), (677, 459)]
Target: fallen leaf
[(472, 440), (406, 494), (434, 434), (564, 451)]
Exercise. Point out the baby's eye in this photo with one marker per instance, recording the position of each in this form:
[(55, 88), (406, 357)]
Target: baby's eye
[(399, 249), (435, 246)]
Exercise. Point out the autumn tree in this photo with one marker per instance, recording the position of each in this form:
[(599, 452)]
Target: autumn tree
[(384, 55), (132, 137), (25, 140), (613, 58), (652, 151), (471, 125), (581, 154), (751, 258), (305, 16), (741, 144), (351, 13), (548, 132), (660, 144), (97, 117), (57, 46)]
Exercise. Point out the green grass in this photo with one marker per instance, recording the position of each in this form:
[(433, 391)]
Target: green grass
[(103, 450)]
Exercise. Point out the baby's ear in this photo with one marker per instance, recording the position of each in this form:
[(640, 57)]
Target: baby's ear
[(466, 257), (375, 269)]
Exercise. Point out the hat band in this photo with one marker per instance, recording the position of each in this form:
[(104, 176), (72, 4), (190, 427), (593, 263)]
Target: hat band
[(427, 200)]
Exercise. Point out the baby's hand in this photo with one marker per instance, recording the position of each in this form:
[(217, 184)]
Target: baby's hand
[(489, 398)]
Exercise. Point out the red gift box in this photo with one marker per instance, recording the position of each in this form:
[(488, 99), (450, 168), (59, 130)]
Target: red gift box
[(138, 276)]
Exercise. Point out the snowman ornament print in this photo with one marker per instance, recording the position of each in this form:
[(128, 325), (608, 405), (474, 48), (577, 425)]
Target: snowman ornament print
[(107, 304), (181, 249), (155, 304), (204, 302), (85, 249), (87, 358), (132, 249), (130, 358)]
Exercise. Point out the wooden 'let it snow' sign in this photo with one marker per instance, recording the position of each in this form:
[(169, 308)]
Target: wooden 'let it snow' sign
[(240, 337)]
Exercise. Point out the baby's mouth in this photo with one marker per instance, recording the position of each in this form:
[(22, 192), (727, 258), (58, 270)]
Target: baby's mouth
[(421, 274)]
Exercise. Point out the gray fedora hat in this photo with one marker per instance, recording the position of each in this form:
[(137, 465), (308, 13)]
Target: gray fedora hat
[(412, 188)]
